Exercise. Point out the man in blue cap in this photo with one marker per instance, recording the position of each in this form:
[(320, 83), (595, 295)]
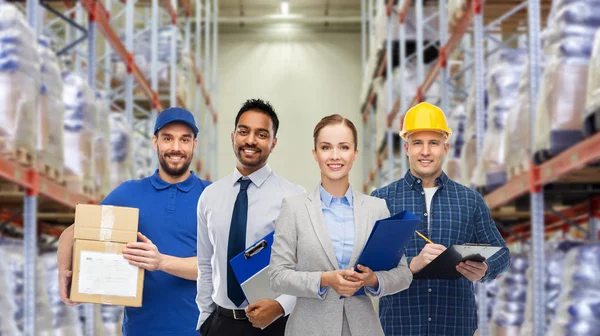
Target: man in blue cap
[(168, 233)]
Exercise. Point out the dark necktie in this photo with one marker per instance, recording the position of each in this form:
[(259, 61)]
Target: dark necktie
[(237, 241)]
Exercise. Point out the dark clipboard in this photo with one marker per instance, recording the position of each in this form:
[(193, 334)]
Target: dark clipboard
[(444, 266)]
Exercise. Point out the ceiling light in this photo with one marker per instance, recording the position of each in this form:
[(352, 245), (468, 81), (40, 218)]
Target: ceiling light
[(285, 7)]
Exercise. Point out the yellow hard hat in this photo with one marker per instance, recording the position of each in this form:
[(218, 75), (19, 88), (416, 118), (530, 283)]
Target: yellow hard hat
[(425, 117)]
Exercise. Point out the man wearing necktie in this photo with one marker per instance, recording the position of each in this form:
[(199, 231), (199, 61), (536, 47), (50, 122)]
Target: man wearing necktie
[(233, 213)]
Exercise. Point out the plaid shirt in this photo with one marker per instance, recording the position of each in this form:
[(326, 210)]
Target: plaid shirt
[(459, 215)]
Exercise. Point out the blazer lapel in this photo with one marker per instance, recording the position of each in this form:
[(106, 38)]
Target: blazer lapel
[(315, 213), (361, 226)]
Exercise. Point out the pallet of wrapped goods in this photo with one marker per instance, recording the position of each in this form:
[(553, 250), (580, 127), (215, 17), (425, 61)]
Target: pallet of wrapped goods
[(380, 104), (578, 311), (591, 115), (8, 323), (144, 152), (186, 82), (80, 124), (112, 320), (491, 289), (555, 253), (50, 115), (97, 322), (456, 121), (381, 25), (102, 147), (509, 312), (468, 157), (121, 145), (19, 80), (143, 56), (13, 264), (64, 318), (558, 118), (503, 82), (456, 10), (571, 30), (517, 143)]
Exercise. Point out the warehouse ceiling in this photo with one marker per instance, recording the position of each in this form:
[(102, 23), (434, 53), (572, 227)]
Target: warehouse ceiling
[(301, 7), (320, 15)]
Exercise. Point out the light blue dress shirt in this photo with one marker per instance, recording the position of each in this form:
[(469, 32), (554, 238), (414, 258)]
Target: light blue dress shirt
[(338, 214)]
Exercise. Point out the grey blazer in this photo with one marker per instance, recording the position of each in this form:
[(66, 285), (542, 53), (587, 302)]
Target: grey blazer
[(301, 235)]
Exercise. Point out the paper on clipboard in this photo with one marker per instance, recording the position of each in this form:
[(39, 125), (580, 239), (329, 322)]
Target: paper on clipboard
[(444, 266)]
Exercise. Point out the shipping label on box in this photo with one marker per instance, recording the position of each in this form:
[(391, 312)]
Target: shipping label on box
[(106, 223), (102, 275)]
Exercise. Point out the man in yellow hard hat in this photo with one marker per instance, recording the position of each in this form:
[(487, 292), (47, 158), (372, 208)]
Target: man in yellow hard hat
[(450, 214)]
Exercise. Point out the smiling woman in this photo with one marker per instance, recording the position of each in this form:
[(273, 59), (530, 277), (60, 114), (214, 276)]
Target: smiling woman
[(318, 238), (335, 149)]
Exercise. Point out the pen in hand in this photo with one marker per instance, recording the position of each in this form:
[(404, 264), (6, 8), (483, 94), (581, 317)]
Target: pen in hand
[(424, 238)]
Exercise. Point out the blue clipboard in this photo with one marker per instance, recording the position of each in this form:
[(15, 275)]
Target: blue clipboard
[(251, 270), (387, 242)]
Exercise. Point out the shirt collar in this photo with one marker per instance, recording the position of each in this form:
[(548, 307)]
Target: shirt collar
[(184, 186), (326, 197), (258, 177), (411, 180)]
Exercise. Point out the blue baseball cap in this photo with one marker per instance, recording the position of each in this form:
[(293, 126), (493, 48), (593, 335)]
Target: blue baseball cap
[(175, 114)]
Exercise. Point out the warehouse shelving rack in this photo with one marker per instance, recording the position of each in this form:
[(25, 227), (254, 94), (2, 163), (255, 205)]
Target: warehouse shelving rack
[(570, 165), (78, 22)]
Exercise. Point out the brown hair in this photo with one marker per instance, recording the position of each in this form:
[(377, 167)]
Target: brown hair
[(335, 119)]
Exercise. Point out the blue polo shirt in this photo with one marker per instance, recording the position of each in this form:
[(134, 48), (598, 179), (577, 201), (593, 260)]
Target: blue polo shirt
[(168, 218)]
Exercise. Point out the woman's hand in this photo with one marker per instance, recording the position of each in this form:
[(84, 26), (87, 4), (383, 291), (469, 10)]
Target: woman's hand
[(367, 276), (341, 281)]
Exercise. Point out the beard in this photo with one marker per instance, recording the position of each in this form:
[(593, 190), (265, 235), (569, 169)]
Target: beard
[(174, 171)]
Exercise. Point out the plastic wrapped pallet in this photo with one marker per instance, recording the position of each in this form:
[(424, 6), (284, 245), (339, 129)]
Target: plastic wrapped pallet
[(121, 162), (381, 25), (491, 292), (102, 146), (8, 307), (554, 256), (468, 153), (591, 116), (380, 90), (517, 143), (410, 22), (98, 324), (50, 112), (143, 53), (80, 124), (13, 264), (509, 312), (456, 10), (144, 152), (570, 36), (456, 122), (578, 312), (112, 320), (503, 81), (19, 83), (65, 320)]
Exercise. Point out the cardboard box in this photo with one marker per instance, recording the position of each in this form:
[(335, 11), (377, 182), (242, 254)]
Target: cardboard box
[(101, 275), (106, 223)]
